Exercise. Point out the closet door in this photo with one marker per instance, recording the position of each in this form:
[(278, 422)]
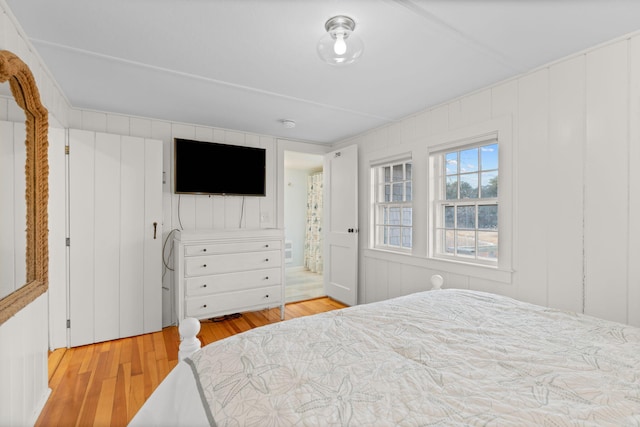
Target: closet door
[(115, 190)]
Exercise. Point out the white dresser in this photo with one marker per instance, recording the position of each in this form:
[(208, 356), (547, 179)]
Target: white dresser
[(219, 272)]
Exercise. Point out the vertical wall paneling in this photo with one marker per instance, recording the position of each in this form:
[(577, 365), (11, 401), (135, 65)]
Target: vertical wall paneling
[(23, 338), (576, 137), (107, 224), (132, 218), (606, 185), (534, 213), (267, 214), (153, 236), (81, 233), (23, 365), (633, 298), (204, 207), (565, 166), (162, 131)]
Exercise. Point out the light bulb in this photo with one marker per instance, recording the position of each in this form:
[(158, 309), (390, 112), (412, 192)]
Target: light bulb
[(340, 47)]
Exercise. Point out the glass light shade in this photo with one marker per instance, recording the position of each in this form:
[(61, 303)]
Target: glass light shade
[(339, 46)]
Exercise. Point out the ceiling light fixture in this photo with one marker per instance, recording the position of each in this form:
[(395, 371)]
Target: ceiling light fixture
[(340, 46)]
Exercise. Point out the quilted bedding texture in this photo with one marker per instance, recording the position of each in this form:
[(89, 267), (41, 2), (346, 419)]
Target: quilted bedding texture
[(440, 358)]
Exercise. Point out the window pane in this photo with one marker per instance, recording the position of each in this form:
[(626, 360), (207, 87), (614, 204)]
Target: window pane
[(450, 242), (394, 236), (406, 237), (469, 186), (387, 173), (449, 217), (406, 216), (451, 161), (488, 217), (385, 240), (397, 173), (452, 187), (489, 182), (466, 217), (469, 160), (385, 217), (397, 192), (489, 156), (408, 171), (394, 216), (387, 193), (466, 243), (407, 189), (488, 245)]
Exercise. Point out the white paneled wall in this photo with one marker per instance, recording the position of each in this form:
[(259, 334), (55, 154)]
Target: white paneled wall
[(192, 211), (23, 365), (576, 190), (23, 338)]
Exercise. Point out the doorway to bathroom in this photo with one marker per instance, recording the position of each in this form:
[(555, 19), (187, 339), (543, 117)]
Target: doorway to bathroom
[(303, 218)]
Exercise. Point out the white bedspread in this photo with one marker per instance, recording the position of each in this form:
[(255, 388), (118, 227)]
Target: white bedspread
[(443, 358)]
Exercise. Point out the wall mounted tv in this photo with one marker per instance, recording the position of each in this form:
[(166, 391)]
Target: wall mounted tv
[(212, 168)]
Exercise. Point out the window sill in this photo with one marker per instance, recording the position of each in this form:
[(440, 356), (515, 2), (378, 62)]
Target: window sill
[(485, 272)]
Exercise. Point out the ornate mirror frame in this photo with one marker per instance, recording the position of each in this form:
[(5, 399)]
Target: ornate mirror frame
[(26, 95)]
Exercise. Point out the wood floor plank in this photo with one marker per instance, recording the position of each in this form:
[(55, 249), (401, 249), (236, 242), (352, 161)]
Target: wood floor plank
[(119, 415), (107, 383), (104, 410)]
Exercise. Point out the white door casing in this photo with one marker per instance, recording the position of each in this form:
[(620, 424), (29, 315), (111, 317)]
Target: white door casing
[(341, 225)]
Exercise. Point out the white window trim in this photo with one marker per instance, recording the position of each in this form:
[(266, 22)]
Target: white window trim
[(436, 163), (374, 184), (501, 130)]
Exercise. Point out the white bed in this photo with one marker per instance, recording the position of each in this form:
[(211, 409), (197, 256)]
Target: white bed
[(439, 358)]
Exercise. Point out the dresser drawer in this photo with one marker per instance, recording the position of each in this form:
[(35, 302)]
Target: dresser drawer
[(223, 248), (229, 282), (233, 302), (227, 263)]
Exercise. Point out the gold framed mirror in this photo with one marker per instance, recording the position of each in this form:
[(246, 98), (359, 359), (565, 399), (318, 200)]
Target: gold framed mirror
[(26, 95)]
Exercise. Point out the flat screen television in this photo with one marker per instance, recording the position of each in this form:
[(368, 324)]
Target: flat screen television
[(213, 168)]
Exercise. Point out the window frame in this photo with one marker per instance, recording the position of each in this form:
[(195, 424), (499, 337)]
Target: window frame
[(378, 206), (440, 202)]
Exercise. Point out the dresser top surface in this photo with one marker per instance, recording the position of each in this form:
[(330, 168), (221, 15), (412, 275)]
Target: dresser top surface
[(228, 234)]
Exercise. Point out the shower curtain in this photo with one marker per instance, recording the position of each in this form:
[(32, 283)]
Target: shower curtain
[(313, 235)]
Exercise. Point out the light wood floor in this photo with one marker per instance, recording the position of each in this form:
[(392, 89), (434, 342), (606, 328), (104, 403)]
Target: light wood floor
[(105, 384)]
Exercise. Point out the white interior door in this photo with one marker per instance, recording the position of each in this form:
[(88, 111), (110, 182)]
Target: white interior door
[(341, 225), (115, 197)]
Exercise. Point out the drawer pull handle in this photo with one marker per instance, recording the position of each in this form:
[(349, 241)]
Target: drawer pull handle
[(266, 296), (266, 246), (204, 266), (204, 250), (266, 260), (204, 306), (204, 286), (266, 278)]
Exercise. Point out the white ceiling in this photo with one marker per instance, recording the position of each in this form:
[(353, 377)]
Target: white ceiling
[(247, 64)]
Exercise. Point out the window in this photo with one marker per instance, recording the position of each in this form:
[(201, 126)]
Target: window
[(393, 211), (466, 203)]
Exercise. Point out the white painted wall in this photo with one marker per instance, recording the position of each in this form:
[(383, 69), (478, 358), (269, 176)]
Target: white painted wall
[(191, 212), (23, 338), (576, 197)]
